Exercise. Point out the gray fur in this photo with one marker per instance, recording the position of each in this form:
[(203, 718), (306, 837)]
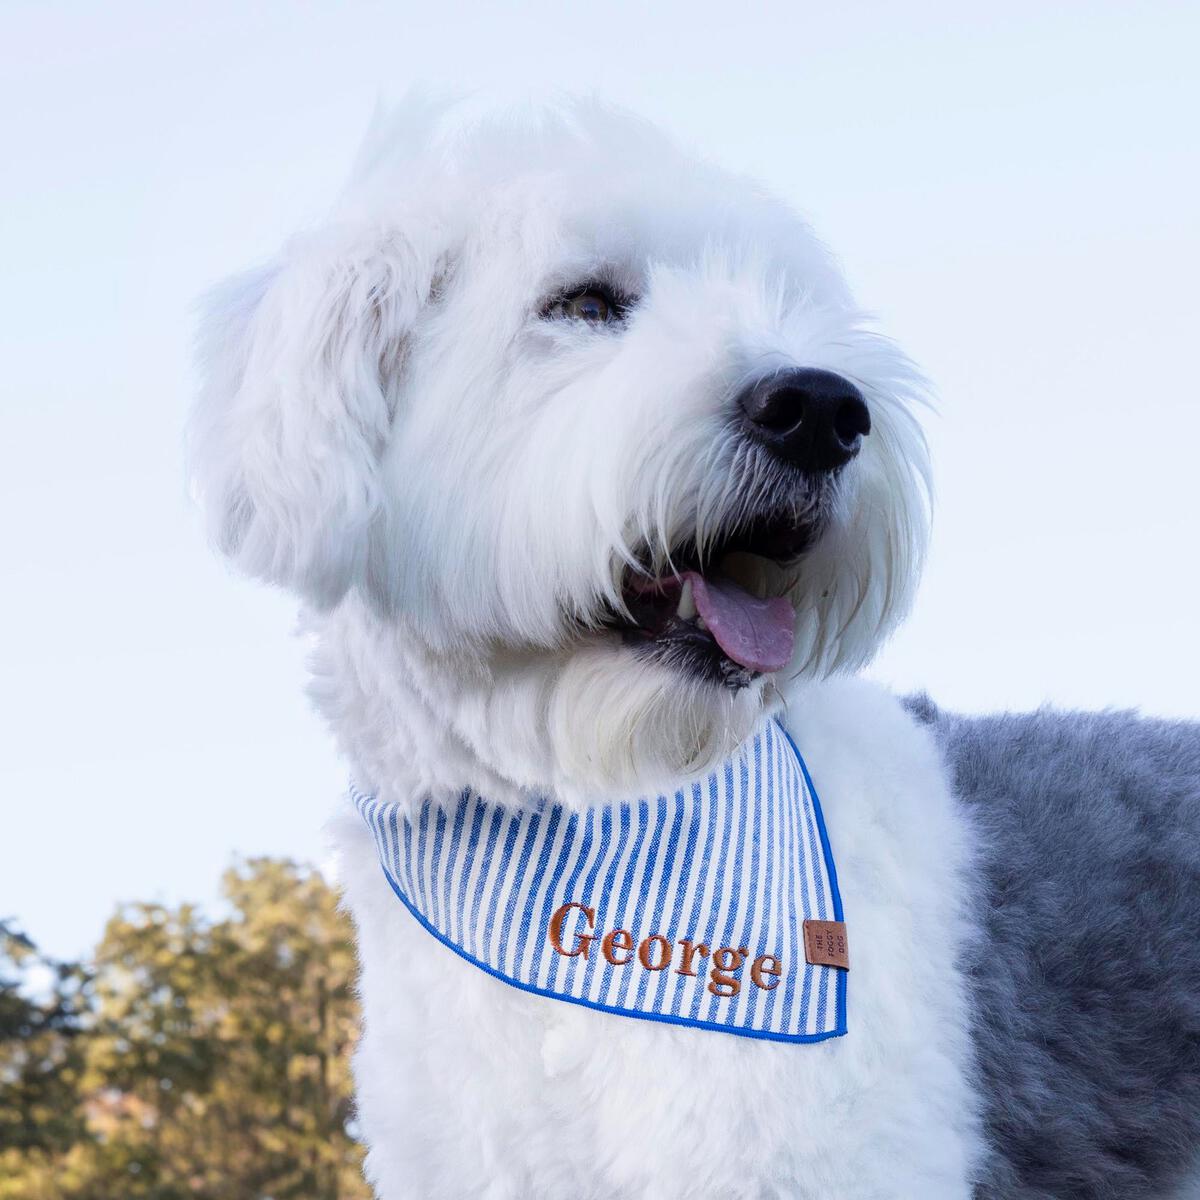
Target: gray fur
[(1086, 977)]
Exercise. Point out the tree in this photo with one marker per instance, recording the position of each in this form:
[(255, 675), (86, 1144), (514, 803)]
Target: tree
[(41, 1061), (215, 1053)]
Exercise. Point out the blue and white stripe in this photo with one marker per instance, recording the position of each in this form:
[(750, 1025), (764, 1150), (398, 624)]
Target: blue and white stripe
[(739, 859)]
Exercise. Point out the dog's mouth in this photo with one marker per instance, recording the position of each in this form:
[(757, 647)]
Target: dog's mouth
[(724, 614)]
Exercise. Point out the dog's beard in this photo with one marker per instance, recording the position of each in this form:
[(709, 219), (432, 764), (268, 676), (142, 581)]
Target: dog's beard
[(619, 723), (584, 722)]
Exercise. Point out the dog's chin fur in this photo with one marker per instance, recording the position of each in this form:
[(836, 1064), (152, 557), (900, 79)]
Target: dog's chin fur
[(581, 724)]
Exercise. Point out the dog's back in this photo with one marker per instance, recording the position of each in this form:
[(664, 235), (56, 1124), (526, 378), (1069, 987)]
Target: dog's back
[(1087, 975)]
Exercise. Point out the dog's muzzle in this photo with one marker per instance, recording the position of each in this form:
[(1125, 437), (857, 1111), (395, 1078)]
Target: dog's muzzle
[(813, 419), (720, 608)]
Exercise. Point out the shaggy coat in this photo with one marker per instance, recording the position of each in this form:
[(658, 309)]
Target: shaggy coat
[(484, 423)]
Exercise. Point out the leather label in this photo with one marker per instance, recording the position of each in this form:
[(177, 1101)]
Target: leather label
[(825, 944)]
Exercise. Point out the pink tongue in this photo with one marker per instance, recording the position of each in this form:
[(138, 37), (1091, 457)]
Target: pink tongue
[(756, 633)]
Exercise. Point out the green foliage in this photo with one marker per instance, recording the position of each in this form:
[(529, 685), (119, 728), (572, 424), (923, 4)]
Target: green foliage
[(193, 1059), (41, 1056)]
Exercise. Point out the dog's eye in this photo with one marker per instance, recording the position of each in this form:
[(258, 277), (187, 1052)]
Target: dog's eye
[(593, 304), (588, 306)]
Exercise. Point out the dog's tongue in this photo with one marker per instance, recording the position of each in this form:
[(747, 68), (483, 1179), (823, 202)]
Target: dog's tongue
[(755, 633)]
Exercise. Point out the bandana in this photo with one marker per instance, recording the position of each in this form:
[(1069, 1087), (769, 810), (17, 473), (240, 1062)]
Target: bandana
[(715, 907)]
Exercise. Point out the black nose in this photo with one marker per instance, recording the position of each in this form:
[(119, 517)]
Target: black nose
[(811, 418)]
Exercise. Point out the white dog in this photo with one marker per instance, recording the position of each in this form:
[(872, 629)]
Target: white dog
[(594, 480)]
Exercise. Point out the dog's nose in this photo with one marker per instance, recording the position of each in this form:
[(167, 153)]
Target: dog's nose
[(813, 419)]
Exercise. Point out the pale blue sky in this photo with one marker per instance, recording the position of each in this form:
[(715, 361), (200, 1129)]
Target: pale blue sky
[(1013, 188)]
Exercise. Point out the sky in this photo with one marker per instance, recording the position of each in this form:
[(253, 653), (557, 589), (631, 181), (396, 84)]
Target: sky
[(1012, 189)]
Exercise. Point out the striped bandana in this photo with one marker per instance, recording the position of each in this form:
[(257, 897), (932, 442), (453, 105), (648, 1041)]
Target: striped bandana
[(699, 908)]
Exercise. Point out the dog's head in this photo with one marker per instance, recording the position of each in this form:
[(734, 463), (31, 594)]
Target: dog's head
[(597, 427)]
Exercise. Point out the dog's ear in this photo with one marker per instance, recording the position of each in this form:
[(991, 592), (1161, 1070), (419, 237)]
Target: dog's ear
[(300, 367)]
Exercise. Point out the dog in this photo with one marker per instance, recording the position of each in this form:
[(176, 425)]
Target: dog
[(598, 490)]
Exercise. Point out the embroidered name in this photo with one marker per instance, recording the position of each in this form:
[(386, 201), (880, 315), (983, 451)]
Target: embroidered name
[(657, 953)]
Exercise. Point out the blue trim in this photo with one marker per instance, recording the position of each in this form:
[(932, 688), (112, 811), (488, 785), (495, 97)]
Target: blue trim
[(831, 868), (665, 1018)]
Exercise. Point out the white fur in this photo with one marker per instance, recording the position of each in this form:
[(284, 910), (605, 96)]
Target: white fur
[(455, 487)]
